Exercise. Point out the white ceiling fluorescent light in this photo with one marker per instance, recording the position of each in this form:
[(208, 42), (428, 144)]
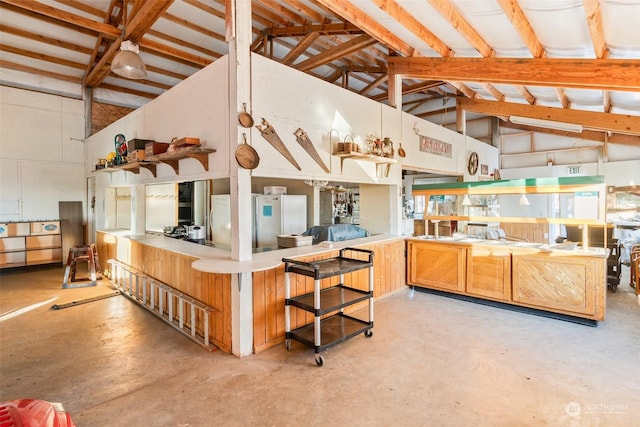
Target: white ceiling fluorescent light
[(549, 124)]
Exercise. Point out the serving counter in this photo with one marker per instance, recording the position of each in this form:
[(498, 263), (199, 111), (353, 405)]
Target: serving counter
[(564, 279), (206, 274)]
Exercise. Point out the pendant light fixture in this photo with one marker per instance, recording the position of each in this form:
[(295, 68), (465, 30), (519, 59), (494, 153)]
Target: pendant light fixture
[(523, 200), (127, 63)]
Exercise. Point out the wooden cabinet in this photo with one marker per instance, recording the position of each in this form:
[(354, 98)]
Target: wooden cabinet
[(489, 272), (571, 285), (436, 265), (559, 281), (31, 243)]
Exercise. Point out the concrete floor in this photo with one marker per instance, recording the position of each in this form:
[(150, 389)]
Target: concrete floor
[(432, 361)]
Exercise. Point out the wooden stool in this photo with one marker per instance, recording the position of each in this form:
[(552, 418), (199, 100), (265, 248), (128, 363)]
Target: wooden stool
[(87, 254)]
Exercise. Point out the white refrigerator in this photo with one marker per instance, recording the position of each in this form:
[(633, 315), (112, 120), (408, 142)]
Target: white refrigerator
[(220, 220), (281, 214)]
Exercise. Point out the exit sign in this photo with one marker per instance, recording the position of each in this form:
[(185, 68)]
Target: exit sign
[(574, 170)]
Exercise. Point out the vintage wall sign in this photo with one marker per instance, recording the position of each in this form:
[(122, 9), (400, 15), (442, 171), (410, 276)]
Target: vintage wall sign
[(434, 146)]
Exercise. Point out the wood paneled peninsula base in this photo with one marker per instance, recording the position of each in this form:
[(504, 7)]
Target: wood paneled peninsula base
[(543, 277)]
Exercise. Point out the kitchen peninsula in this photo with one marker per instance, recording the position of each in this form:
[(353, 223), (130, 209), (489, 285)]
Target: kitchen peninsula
[(205, 274)]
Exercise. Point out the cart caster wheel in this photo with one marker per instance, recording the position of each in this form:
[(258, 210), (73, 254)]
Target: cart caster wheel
[(368, 333), (287, 345), (319, 360)]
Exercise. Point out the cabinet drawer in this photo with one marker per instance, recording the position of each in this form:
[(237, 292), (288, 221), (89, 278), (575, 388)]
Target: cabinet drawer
[(44, 242), (10, 244)]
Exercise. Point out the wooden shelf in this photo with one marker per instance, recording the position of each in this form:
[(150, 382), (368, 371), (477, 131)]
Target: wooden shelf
[(172, 159), (356, 155)]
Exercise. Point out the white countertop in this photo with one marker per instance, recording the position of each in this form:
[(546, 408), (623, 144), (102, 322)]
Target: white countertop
[(557, 249), (213, 260)]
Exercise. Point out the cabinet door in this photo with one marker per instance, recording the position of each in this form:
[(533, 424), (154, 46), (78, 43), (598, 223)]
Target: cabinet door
[(44, 242), (565, 284), (12, 244), (489, 273), (438, 266)]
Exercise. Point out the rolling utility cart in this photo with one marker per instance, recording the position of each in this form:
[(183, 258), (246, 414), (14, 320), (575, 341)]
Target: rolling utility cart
[(325, 332)]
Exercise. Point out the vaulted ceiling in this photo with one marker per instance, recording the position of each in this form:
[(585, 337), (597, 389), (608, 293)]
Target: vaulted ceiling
[(574, 61)]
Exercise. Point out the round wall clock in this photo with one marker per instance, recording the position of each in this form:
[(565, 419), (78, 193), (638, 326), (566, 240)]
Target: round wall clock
[(472, 163)]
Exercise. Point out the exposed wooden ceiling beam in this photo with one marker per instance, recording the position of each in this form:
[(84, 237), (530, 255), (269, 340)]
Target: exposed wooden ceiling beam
[(41, 56), (190, 25), (140, 23), (300, 48), (144, 18), (176, 54), (401, 15), (308, 12), (49, 41), (624, 123), (206, 8), (455, 18), (39, 72), (128, 90), (590, 135), (353, 45), (283, 11), (183, 43), (599, 74), (61, 15), (406, 90), (374, 84), (357, 17), (521, 24), (594, 20), (302, 30)]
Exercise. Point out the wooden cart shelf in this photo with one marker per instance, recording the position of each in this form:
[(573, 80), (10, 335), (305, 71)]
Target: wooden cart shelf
[(326, 332), (170, 158)]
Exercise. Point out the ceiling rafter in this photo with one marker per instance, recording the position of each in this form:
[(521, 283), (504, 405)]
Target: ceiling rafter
[(282, 10), (594, 21), (308, 13), (41, 56), (183, 43), (44, 39), (302, 46), (48, 19), (302, 30), (61, 15), (401, 15), (40, 72), (521, 24), (371, 27), (357, 43), (190, 25), (457, 21)]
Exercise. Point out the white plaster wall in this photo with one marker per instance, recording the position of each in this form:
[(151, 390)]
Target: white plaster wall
[(289, 99), (196, 107), (41, 154)]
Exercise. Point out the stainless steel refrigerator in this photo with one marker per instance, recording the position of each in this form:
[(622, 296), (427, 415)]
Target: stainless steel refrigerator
[(281, 214)]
